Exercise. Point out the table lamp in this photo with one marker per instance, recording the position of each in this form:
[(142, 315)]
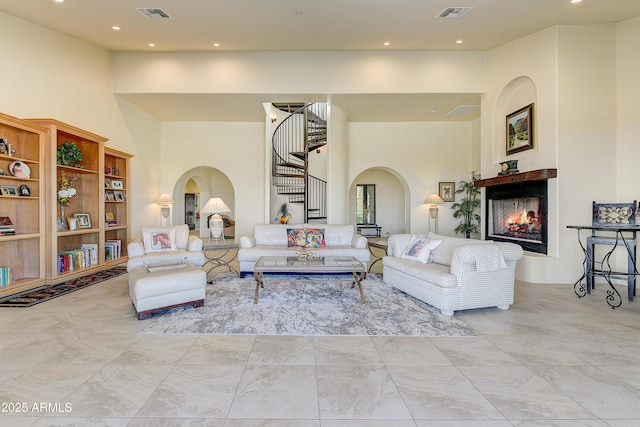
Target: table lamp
[(216, 206), (434, 200), (164, 201)]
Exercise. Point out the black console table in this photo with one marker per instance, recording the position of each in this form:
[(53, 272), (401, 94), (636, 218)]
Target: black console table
[(624, 235)]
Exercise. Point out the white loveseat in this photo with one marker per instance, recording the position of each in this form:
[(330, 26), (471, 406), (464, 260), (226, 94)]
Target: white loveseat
[(461, 273), (271, 240)]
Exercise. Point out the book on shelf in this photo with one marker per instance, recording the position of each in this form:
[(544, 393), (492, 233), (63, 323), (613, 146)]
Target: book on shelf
[(75, 259), (112, 249), (5, 276), (110, 219), (6, 226)]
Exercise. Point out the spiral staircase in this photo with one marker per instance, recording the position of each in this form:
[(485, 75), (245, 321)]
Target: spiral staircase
[(294, 140)]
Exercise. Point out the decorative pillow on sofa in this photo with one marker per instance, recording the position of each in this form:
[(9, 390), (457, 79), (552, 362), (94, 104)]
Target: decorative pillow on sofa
[(419, 249), (295, 237), (315, 238), (159, 240)]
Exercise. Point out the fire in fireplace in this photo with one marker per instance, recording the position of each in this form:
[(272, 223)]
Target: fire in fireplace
[(517, 218), (517, 213)]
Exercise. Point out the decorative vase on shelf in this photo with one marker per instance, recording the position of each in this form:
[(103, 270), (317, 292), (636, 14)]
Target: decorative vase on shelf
[(62, 221)]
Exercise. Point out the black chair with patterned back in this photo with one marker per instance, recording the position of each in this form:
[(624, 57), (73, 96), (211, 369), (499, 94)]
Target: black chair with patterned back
[(614, 215)]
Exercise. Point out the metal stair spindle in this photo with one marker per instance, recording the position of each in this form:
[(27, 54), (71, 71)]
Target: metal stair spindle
[(300, 134)]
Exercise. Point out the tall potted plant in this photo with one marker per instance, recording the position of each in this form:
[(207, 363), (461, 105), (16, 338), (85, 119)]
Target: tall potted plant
[(467, 208)]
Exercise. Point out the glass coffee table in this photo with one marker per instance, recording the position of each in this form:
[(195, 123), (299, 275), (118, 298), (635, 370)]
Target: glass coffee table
[(313, 265)]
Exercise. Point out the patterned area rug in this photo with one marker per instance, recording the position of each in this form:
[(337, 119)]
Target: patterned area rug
[(48, 292), (308, 305)]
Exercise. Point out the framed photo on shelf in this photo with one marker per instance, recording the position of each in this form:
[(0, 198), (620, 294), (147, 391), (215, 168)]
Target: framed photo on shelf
[(520, 132), (8, 190), (84, 220), (447, 191), (109, 197), (119, 196), (117, 185)]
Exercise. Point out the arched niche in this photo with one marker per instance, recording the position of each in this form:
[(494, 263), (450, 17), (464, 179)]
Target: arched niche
[(393, 212), (518, 93), (211, 182)]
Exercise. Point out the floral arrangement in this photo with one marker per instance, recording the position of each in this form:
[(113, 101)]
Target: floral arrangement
[(305, 255), (65, 188), (283, 214)]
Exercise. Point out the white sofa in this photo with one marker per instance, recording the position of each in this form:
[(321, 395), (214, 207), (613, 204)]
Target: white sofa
[(271, 240), (461, 274)]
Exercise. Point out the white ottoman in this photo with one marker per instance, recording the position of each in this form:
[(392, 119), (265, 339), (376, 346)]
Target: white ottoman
[(152, 292)]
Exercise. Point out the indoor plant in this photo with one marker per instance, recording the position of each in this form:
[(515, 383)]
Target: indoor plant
[(467, 208), (68, 154)]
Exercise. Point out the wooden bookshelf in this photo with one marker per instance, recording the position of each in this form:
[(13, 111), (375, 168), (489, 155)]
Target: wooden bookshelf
[(116, 204), (89, 183), (24, 252)]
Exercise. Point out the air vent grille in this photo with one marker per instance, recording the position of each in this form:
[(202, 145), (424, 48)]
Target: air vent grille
[(463, 110), (154, 13), (454, 12)]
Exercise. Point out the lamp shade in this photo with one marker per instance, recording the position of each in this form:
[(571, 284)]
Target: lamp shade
[(215, 205), (434, 199), (165, 199)]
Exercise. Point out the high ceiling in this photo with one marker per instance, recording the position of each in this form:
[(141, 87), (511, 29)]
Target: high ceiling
[(303, 25)]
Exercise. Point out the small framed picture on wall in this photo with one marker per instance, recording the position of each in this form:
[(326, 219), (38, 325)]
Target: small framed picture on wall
[(448, 191)]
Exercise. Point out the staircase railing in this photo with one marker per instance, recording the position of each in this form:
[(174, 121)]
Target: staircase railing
[(299, 134)]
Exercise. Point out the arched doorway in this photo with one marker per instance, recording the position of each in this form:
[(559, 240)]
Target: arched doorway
[(391, 199), (199, 184)]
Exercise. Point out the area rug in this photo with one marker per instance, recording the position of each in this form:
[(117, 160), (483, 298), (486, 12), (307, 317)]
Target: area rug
[(48, 292), (307, 305)]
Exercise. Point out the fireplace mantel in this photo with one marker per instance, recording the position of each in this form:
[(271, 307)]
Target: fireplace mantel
[(537, 175)]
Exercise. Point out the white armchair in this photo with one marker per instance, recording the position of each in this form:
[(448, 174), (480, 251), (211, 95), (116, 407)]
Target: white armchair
[(165, 245)]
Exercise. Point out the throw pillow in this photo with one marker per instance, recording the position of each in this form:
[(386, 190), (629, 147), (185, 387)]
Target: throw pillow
[(295, 237), (315, 238), (419, 249), (159, 240)]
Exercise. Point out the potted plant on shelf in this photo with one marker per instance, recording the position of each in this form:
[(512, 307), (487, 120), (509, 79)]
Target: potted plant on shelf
[(467, 208), (68, 154)]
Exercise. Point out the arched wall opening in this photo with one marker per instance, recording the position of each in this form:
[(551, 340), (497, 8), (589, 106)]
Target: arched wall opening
[(393, 212), (210, 182)]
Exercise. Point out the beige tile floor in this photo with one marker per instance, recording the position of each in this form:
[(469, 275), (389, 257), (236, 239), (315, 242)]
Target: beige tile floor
[(552, 360)]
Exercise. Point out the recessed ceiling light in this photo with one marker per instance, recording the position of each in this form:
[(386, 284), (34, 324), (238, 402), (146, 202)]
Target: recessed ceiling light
[(152, 45), (459, 41), (576, 1), (216, 44), (387, 44), (116, 28), (58, 1)]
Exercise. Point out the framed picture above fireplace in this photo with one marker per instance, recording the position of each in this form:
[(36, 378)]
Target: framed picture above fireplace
[(520, 130)]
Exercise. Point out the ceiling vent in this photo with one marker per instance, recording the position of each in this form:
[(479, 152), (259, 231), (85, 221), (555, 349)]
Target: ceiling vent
[(454, 12), (154, 13), (463, 110)]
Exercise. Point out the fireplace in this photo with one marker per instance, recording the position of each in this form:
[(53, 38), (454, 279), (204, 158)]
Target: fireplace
[(516, 209)]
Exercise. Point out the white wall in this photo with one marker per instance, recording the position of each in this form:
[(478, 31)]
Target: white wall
[(628, 124), (569, 72), (423, 154), (50, 75), (235, 149)]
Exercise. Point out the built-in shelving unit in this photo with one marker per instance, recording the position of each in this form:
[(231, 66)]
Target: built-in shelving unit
[(88, 177), (24, 252), (116, 201)]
